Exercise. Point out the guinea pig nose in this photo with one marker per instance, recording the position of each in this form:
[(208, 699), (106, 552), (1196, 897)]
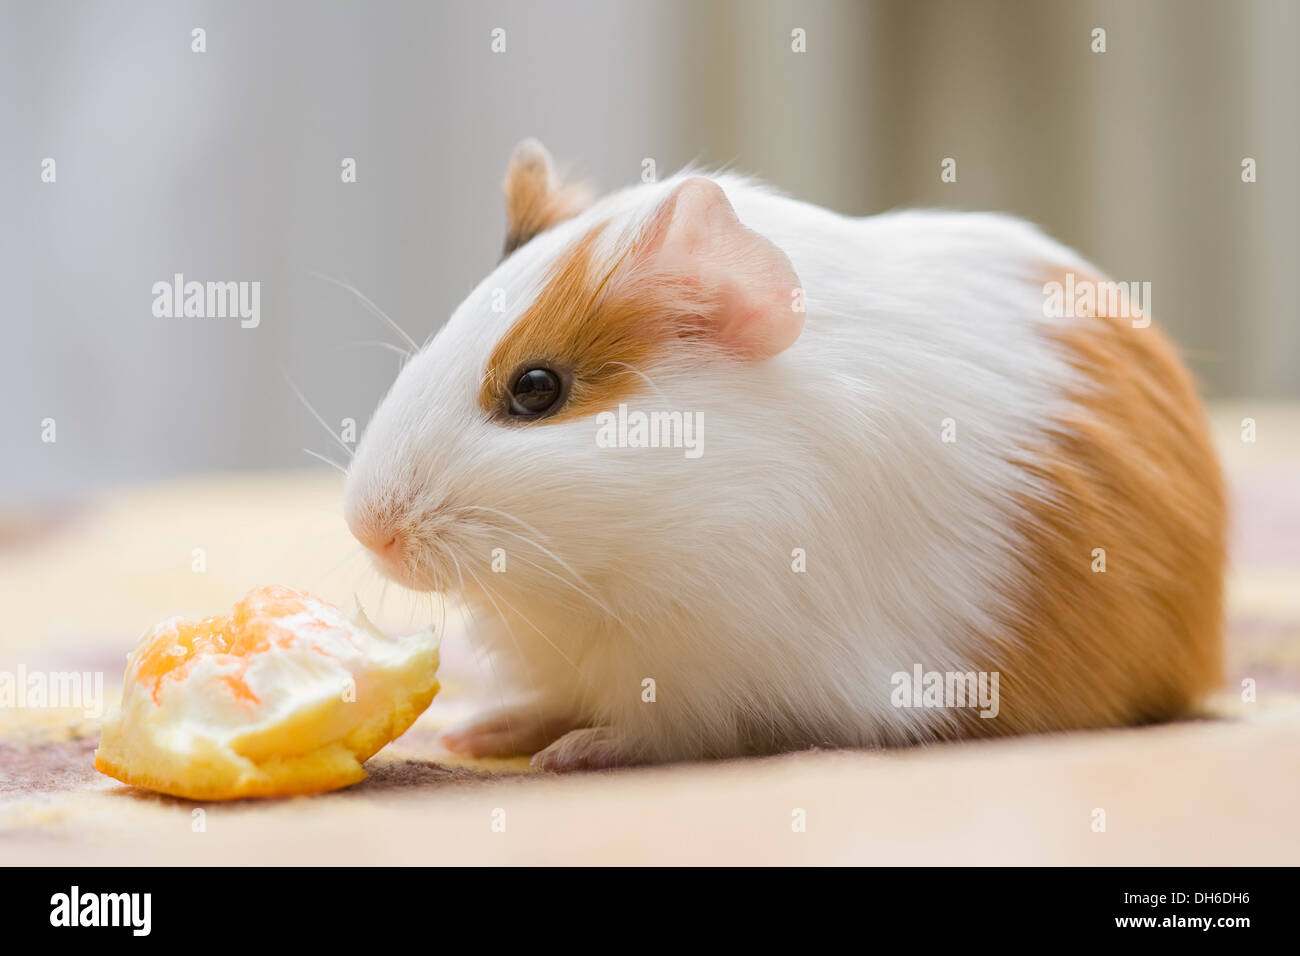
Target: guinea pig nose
[(377, 536)]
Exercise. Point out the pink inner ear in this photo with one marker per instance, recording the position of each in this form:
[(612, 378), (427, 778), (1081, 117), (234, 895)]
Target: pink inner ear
[(750, 285)]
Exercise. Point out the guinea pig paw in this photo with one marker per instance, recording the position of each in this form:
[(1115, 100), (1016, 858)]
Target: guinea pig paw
[(505, 732), (591, 748)]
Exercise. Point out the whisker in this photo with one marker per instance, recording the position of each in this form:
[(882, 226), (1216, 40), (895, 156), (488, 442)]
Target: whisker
[(491, 664), (527, 527), (550, 554), (329, 461), (514, 640), (590, 597), (315, 414), (479, 652), (489, 592), (442, 615), (374, 309)]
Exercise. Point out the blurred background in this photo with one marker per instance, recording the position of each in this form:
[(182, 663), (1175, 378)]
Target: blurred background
[(226, 165)]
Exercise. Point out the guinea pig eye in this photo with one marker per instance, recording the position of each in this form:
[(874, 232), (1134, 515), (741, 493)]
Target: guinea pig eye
[(535, 392)]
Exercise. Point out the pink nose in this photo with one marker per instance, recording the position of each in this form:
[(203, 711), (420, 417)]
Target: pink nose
[(377, 537)]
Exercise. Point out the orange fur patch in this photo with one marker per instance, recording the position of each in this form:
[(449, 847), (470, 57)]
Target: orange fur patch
[(1133, 472), (601, 331)]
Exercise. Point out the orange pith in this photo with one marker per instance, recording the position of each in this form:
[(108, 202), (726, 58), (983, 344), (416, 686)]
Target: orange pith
[(249, 629)]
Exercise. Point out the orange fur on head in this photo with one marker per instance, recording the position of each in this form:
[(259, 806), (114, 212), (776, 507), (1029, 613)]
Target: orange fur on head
[(601, 331), (1131, 471)]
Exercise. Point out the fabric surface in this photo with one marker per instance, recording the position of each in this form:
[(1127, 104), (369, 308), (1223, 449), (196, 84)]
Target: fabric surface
[(79, 585)]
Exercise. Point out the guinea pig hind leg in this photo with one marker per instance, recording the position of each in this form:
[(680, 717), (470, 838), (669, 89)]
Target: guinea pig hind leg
[(518, 729)]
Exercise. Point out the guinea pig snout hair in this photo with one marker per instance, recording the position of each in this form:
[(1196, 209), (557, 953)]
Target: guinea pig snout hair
[(418, 533), (395, 523)]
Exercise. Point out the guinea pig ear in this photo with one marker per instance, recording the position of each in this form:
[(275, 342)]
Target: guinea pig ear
[(745, 291), (536, 200)]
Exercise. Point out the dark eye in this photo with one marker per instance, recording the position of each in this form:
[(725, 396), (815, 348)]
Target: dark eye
[(535, 392)]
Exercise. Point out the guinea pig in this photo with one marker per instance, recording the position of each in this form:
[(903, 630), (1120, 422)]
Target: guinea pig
[(717, 472)]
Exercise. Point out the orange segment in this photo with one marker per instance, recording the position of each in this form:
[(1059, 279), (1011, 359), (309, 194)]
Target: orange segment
[(306, 737), (248, 629)]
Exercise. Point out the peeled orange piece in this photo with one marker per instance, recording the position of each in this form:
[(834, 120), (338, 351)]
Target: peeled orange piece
[(285, 695)]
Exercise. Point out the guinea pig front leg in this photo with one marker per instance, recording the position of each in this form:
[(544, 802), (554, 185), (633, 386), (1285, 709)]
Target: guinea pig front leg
[(589, 748), (513, 730)]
